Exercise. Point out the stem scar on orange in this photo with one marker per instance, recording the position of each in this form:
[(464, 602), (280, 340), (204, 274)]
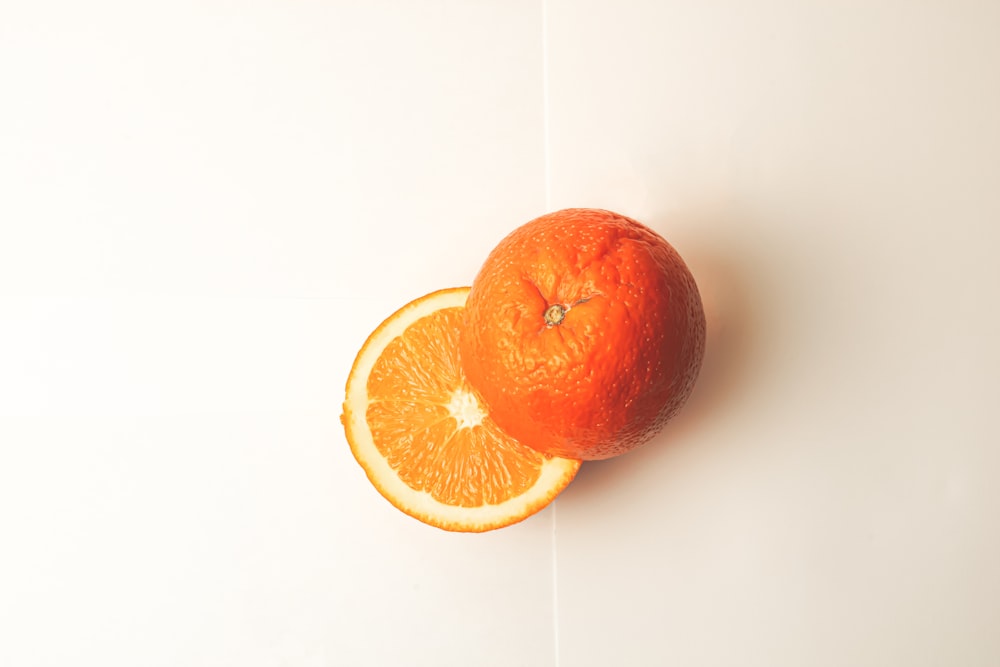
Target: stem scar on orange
[(583, 334)]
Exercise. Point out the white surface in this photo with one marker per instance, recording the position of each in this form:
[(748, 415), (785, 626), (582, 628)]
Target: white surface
[(205, 208), (830, 496)]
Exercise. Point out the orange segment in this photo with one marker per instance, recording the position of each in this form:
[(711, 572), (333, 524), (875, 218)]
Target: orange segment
[(423, 437)]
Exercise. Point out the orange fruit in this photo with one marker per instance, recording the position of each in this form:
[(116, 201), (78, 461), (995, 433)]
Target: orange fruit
[(422, 435), (583, 333)]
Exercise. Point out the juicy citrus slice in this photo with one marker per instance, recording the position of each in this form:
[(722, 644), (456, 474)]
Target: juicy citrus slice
[(422, 435)]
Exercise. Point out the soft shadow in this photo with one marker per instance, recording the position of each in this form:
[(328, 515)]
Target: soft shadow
[(729, 278)]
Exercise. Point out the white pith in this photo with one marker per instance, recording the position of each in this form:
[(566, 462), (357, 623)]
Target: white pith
[(464, 407), (555, 472)]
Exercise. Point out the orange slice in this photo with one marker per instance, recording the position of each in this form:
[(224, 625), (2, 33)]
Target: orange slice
[(424, 439)]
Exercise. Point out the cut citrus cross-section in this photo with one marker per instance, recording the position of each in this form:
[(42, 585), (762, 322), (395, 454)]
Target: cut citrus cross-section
[(422, 436)]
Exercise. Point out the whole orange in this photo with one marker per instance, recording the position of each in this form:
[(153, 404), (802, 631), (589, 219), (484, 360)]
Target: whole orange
[(583, 334)]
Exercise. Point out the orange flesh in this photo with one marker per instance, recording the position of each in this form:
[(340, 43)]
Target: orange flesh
[(426, 421)]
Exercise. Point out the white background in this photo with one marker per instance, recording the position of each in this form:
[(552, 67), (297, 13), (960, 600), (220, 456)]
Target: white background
[(206, 206)]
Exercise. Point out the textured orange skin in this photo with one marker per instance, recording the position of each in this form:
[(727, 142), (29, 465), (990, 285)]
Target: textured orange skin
[(626, 354)]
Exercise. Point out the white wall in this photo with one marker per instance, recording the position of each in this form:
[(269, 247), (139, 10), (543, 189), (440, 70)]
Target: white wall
[(831, 172)]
